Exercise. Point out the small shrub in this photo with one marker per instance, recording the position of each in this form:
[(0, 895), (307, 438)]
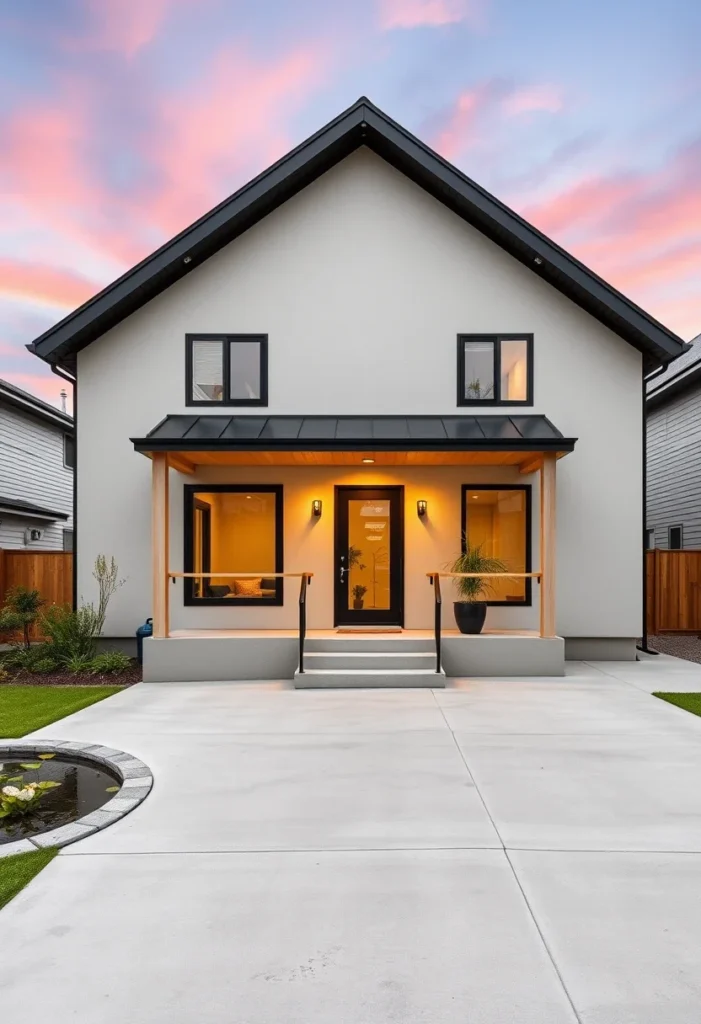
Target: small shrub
[(27, 657), (5, 676), (20, 612), (77, 663), (44, 665), (110, 663), (72, 634)]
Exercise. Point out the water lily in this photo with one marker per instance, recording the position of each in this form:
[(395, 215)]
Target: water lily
[(10, 791)]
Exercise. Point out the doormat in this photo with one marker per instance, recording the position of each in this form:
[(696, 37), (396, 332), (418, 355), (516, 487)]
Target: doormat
[(376, 629)]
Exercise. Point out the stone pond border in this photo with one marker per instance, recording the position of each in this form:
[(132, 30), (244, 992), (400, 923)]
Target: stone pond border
[(136, 782)]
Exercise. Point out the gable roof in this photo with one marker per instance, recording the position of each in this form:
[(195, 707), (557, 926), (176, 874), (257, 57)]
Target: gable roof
[(362, 124), (33, 406), (679, 375)]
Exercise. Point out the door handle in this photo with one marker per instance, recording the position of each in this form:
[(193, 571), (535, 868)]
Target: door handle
[(343, 572)]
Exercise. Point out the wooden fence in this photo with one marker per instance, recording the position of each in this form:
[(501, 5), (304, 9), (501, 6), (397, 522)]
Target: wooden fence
[(49, 572), (673, 591)]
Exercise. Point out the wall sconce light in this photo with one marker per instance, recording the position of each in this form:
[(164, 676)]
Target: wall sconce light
[(316, 507), (421, 508)]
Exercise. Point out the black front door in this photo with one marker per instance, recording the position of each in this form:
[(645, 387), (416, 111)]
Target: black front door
[(369, 556)]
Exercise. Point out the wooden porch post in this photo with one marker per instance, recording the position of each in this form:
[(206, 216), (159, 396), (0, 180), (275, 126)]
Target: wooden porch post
[(160, 521), (547, 544)]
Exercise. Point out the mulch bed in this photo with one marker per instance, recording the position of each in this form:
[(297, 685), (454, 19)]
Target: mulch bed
[(686, 646), (128, 678)]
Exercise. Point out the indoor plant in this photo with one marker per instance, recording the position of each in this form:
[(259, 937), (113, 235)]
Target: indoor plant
[(471, 608), (359, 592)]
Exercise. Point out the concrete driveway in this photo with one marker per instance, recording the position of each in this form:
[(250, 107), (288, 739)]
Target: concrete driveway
[(502, 852)]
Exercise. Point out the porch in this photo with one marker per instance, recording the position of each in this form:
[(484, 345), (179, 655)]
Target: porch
[(412, 456)]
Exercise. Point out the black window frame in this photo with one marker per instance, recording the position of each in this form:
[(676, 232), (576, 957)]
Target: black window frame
[(528, 491), (496, 340), (69, 446), (227, 341), (190, 492), (680, 547)]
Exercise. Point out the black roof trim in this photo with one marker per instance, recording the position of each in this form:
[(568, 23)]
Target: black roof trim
[(33, 406), (354, 433), (362, 124), (22, 508), (680, 375)]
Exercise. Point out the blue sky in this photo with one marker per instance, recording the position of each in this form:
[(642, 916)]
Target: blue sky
[(121, 121)]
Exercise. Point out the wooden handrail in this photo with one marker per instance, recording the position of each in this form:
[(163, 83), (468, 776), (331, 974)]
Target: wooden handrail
[(237, 575), (483, 575)]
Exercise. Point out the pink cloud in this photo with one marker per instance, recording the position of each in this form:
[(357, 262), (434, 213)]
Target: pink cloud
[(536, 98), (205, 143), (416, 13), (123, 26), (458, 130), (44, 284)]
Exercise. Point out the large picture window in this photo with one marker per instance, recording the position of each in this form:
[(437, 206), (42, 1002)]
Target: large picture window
[(497, 518), (232, 528), (495, 369), (226, 369)]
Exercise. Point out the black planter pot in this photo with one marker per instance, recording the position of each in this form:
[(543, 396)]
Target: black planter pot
[(470, 615)]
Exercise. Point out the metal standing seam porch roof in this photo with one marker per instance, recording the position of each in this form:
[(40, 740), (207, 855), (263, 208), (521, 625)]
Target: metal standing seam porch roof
[(354, 433)]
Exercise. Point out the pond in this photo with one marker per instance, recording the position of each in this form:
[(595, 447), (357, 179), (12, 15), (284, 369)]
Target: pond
[(83, 786)]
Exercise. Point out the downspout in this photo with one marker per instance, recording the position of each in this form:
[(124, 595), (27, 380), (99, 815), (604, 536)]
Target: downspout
[(73, 381), (643, 646)]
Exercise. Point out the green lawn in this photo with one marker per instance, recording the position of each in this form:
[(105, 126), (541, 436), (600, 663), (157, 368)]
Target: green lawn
[(26, 708), (689, 701), (20, 868)]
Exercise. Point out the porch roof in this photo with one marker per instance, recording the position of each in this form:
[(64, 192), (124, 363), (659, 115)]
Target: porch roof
[(207, 439)]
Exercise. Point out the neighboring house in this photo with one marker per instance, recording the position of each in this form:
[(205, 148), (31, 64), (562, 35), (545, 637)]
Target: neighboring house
[(353, 361), (37, 459), (673, 515)]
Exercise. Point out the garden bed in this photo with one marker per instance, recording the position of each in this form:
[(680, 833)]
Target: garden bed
[(64, 678)]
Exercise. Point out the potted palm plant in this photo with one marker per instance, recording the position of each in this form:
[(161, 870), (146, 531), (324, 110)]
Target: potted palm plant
[(471, 608), (359, 592)]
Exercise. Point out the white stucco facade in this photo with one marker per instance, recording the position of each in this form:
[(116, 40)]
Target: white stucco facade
[(362, 283)]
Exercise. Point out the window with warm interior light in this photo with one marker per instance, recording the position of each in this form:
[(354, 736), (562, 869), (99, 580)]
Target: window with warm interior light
[(233, 528), (226, 369), (495, 369), (497, 518)]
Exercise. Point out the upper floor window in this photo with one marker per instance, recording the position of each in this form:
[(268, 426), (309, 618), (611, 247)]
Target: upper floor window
[(495, 369), (69, 451), (226, 369)]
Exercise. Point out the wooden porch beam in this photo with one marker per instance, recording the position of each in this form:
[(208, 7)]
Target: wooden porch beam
[(547, 544), (531, 464), (160, 546), (180, 462)]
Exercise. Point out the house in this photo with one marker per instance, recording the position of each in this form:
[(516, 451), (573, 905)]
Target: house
[(673, 515), (37, 458), (290, 414)]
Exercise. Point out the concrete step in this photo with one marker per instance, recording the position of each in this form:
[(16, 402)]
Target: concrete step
[(368, 644), (378, 660), (359, 679)]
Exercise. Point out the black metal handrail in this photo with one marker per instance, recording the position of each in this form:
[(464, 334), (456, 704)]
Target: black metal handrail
[(306, 578), (435, 581)]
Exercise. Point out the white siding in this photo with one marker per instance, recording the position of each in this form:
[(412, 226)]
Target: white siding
[(362, 282), (674, 468), (32, 470)]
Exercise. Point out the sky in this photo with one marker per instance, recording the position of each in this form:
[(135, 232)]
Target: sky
[(122, 121)]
